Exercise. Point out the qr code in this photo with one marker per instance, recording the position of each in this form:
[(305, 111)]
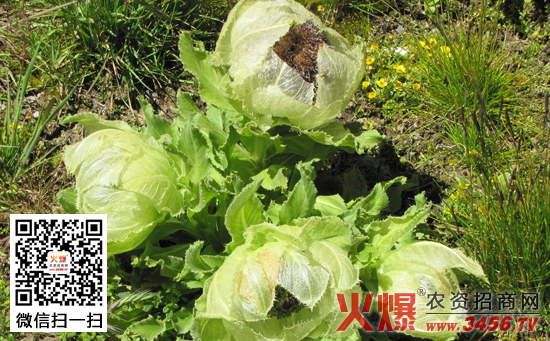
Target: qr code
[(58, 272)]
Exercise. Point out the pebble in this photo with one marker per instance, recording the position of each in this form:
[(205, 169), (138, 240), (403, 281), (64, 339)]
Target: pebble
[(151, 94), (35, 115), (23, 112), (30, 99)]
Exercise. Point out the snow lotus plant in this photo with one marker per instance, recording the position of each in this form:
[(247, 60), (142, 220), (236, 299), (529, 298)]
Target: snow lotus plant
[(430, 266), (281, 284), (127, 175), (284, 65)]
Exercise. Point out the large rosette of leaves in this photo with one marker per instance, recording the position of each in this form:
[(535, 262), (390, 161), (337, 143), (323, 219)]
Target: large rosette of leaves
[(125, 174), (281, 284)]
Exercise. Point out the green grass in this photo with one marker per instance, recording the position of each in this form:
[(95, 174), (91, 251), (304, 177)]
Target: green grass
[(502, 218), (132, 43), (499, 212), (464, 60), (19, 135)]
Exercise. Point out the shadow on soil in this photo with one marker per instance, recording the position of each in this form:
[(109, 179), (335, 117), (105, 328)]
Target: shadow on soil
[(352, 175)]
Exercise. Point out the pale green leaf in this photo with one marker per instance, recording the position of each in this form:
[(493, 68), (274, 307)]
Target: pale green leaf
[(245, 210), (377, 200), (186, 105), (300, 200), (307, 282), (156, 125), (409, 278), (332, 205), (434, 255), (257, 287), (182, 320), (201, 263), (149, 328), (67, 199), (92, 122), (336, 134), (336, 261), (273, 178), (329, 228), (197, 61), (384, 234)]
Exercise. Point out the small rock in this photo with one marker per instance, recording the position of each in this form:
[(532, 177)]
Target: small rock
[(416, 137), (30, 99), (35, 115), (23, 112)]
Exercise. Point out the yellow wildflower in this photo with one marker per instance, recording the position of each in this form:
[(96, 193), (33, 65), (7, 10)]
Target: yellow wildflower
[(429, 54), (28, 116), (372, 95), (473, 152), (416, 86), (399, 68), (320, 8), (446, 49), (382, 82), (374, 47), (433, 41), (370, 60), (365, 84), (422, 43), (454, 196), (463, 186)]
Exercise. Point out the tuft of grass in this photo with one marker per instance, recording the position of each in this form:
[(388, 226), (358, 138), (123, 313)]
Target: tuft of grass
[(20, 134), (465, 60), (134, 42), (500, 212), (502, 219)]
